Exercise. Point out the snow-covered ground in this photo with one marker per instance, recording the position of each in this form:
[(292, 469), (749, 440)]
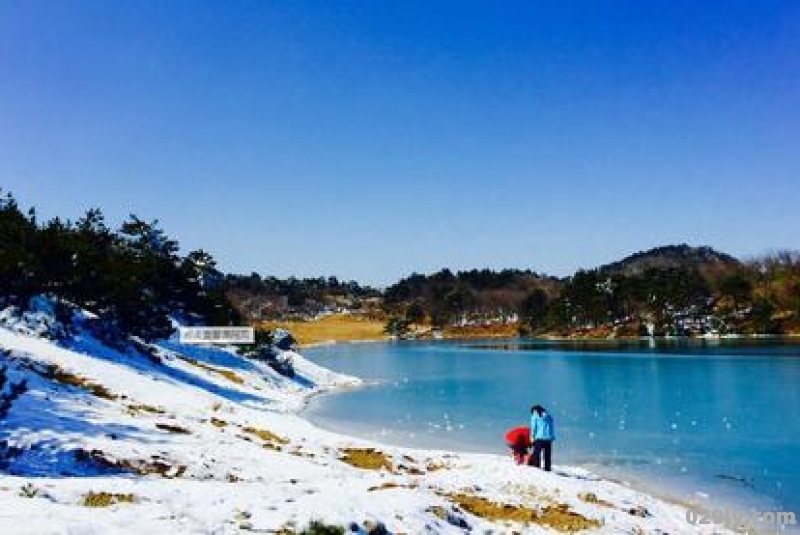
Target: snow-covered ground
[(205, 441)]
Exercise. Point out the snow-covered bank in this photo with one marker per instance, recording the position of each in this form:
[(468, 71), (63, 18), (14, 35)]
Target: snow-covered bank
[(200, 440)]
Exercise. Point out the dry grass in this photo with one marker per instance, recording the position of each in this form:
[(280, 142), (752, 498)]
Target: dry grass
[(139, 408), (492, 510), (410, 470), (218, 423), (389, 485), (591, 497), (266, 436), (175, 429), (438, 510), (106, 499), (559, 518), (435, 466), (227, 374), (299, 452), (335, 327), (366, 458), (482, 331), (64, 377), (141, 467), (562, 518)]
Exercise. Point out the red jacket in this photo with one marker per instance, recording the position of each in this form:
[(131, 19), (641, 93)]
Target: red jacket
[(519, 436)]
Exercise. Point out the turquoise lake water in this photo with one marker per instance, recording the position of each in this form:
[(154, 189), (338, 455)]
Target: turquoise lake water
[(719, 419)]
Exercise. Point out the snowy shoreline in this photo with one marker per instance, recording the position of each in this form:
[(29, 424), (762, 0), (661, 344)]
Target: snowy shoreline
[(682, 496), (209, 442)]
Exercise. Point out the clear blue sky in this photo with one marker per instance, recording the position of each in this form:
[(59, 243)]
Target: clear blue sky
[(372, 139)]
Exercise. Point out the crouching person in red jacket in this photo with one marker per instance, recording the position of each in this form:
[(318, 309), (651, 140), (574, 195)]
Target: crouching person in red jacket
[(519, 441)]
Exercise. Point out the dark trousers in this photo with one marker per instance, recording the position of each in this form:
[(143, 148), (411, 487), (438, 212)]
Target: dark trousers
[(520, 453), (539, 447)]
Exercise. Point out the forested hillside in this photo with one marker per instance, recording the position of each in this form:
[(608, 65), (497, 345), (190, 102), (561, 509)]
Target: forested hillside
[(132, 279), (477, 295), (677, 290), (260, 298), (673, 290)]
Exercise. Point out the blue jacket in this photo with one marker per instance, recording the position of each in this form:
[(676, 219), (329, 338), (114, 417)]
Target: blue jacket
[(542, 427)]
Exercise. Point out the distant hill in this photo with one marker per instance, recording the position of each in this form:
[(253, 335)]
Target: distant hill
[(445, 296), (672, 256), (263, 298), (489, 292), (670, 290)]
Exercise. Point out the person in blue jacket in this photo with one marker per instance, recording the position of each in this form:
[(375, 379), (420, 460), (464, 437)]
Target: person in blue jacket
[(542, 436)]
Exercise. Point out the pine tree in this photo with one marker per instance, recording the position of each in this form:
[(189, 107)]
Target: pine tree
[(20, 273)]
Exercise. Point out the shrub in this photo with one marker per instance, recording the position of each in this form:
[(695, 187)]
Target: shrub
[(29, 491), (317, 527)]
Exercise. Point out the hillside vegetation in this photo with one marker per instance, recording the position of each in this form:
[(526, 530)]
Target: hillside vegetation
[(260, 298), (673, 290), (132, 280)]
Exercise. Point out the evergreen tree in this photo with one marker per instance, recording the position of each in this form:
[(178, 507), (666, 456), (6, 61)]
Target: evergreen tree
[(20, 270), (738, 288), (533, 309), (415, 314)]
